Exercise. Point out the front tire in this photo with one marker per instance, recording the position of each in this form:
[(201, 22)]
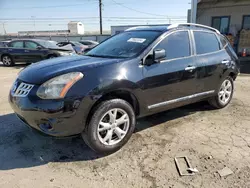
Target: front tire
[(224, 95), (7, 61), (110, 127)]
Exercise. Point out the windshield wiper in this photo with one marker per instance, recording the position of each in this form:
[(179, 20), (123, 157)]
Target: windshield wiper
[(93, 55), (103, 56)]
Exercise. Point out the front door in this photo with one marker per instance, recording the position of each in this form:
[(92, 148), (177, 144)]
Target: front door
[(173, 79), (32, 52)]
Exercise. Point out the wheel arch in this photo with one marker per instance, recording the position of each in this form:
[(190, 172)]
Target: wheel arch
[(6, 54), (233, 75), (51, 54), (117, 94)]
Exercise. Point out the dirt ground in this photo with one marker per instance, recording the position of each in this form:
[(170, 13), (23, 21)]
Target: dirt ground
[(211, 139)]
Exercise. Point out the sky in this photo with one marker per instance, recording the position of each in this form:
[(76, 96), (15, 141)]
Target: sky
[(30, 15)]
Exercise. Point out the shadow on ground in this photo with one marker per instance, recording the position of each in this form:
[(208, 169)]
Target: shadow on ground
[(17, 66), (20, 147)]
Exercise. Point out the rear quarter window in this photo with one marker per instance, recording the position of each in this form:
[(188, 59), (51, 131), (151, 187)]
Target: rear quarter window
[(16, 44), (206, 42), (223, 41)]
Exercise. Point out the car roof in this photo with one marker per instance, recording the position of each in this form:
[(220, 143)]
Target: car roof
[(167, 27)]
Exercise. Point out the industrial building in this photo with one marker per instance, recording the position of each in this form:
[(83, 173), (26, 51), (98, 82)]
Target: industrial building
[(230, 17), (74, 28)]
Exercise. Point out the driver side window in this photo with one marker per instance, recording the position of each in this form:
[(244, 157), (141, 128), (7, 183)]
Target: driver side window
[(176, 45), (30, 45)]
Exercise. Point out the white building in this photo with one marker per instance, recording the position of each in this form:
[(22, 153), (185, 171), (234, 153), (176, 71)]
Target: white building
[(227, 16), (230, 17), (76, 28)]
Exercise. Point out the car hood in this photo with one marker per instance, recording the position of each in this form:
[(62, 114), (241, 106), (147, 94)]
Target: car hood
[(38, 73)]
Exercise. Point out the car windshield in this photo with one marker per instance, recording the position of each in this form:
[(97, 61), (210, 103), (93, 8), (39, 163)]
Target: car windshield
[(48, 44), (125, 45)]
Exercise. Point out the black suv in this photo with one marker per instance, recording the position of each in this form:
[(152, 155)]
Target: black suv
[(139, 72)]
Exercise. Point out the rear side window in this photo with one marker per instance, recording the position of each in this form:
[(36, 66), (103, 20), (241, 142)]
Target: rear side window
[(206, 42), (176, 45), (17, 44)]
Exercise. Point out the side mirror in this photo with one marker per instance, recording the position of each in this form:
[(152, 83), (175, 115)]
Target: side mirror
[(39, 47), (158, 55)]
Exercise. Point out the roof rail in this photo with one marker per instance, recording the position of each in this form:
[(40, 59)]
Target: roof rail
[(193, 25)]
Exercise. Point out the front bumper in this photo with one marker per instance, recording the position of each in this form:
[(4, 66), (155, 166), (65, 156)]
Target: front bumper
[(59, 118)]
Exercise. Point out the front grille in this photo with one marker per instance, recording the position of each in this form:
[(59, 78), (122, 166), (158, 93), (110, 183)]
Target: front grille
[(23, 90)]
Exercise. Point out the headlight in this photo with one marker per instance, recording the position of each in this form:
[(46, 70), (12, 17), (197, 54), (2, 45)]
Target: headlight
[(58, 87)]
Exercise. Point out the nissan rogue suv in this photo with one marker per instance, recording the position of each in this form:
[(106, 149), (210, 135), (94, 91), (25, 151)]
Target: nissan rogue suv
[(142, 71)]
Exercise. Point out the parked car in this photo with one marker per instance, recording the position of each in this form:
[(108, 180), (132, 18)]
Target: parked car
[(4, 43), (90, 43), (78, 47), (30, 51), (141, 71)]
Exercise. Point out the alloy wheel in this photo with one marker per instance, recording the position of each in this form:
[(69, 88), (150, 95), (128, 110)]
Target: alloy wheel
[(6, 60), (225, 92), (113, 126)]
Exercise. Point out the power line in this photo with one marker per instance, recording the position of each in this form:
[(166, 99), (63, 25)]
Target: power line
[(54, 6), (86, 18), (136, 10)]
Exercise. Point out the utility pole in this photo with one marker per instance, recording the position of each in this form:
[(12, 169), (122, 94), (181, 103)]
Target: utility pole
[(100, 14)]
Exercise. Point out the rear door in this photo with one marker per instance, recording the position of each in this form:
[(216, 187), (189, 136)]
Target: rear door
[(211, 60), (32, 53), (172, 80), (16, 50)]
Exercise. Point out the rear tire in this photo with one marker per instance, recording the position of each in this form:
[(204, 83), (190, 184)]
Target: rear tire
[(224, 95), (7, 61), (110, 126)]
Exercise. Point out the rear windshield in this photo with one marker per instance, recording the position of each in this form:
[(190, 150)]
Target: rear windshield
[(125, 45)]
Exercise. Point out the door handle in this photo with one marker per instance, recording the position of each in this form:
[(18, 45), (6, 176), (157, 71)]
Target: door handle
[(190, 68), (225, 62), (26, 51)]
